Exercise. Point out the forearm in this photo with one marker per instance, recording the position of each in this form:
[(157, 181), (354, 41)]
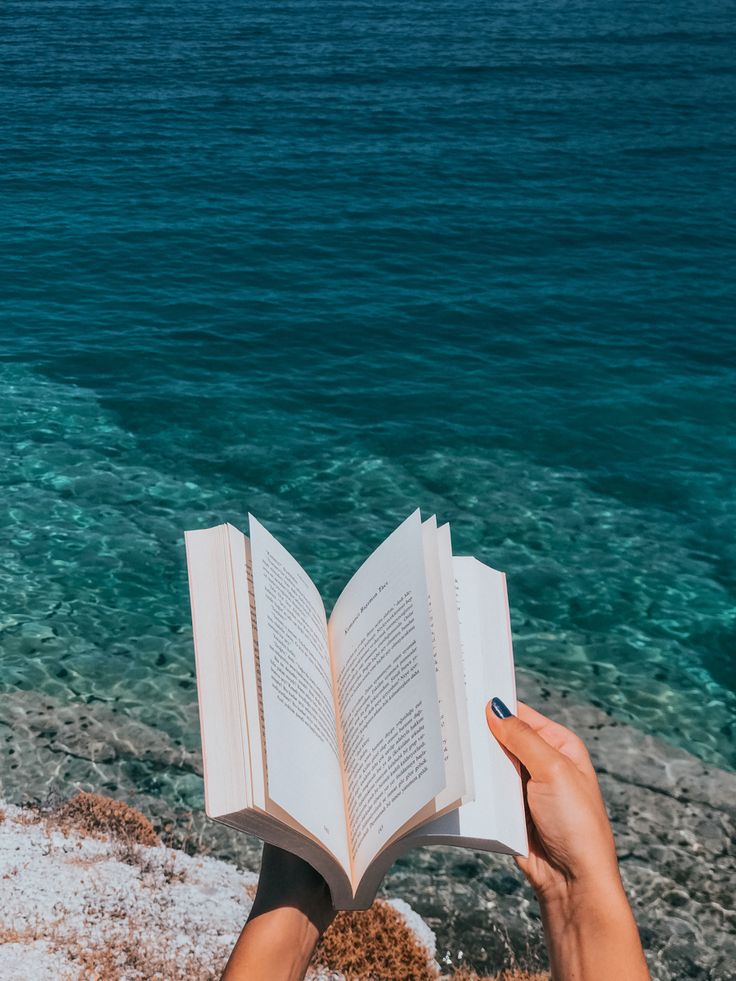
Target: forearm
[(591, 935), (291, 911), (273, 946)]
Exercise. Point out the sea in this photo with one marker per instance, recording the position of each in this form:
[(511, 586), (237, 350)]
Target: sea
[(328, 262)]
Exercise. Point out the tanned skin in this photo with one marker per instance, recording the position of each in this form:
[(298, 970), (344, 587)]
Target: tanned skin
[(589, 928)]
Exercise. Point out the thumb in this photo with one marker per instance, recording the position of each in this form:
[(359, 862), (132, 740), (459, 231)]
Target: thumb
[(520, 739)]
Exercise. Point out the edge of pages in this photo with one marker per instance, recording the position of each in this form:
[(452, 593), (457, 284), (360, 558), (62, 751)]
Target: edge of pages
[(212, 623)]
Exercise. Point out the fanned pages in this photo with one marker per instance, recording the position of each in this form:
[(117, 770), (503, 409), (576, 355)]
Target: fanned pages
[(299, 721), (350, 739)]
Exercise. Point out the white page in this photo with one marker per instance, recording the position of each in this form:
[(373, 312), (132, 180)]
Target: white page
[(497, 812), (498, 662), (387, 692), (444, 549), (303, 766), (453, 759)]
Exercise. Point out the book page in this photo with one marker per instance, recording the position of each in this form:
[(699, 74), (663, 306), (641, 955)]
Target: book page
[(304, 774), (239, 553), (497, 811), (452, 749), (444, 548), (381, 646)]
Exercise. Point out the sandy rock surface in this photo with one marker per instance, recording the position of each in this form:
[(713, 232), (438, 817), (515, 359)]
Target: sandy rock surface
[(86, 899), (74, 906)]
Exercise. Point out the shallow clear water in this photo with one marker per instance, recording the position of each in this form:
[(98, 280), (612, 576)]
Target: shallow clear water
[(330, 262)]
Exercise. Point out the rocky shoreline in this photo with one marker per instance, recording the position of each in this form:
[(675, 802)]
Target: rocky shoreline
[(673, 818)]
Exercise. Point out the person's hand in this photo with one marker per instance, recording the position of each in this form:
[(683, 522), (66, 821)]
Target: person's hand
[(572, 863), (291, 910), (570, 838)]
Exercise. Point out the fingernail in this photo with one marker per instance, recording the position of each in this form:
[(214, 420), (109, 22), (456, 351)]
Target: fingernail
[(500, 709)]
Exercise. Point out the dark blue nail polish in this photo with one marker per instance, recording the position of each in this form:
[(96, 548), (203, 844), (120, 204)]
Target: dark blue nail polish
[(499, 708)]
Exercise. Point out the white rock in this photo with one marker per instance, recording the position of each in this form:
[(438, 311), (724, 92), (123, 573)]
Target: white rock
[(424, 935), (21, 961), (74, 889)]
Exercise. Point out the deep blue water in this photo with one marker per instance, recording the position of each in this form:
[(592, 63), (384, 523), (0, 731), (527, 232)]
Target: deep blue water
[(330, 261)]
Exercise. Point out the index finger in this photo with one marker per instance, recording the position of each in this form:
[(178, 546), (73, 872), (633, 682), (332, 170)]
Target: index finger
[(557, 735)]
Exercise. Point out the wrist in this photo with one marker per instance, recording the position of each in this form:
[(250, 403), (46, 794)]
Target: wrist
[(591, 932), (569, 897)]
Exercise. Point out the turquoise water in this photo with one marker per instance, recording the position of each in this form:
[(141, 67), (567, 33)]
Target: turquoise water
[(328, 262)]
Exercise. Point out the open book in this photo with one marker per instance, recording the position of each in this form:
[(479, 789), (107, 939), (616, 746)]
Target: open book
[(349, 739)]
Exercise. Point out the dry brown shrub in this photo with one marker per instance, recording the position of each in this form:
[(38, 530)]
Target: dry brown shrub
[(9, 935), (35, 930), (157, 870), (120, 956), (2, 815), (84, 861), (125, 949), (468, 974), (102, 817), (27, 817), (131, 955), (374, 944)]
